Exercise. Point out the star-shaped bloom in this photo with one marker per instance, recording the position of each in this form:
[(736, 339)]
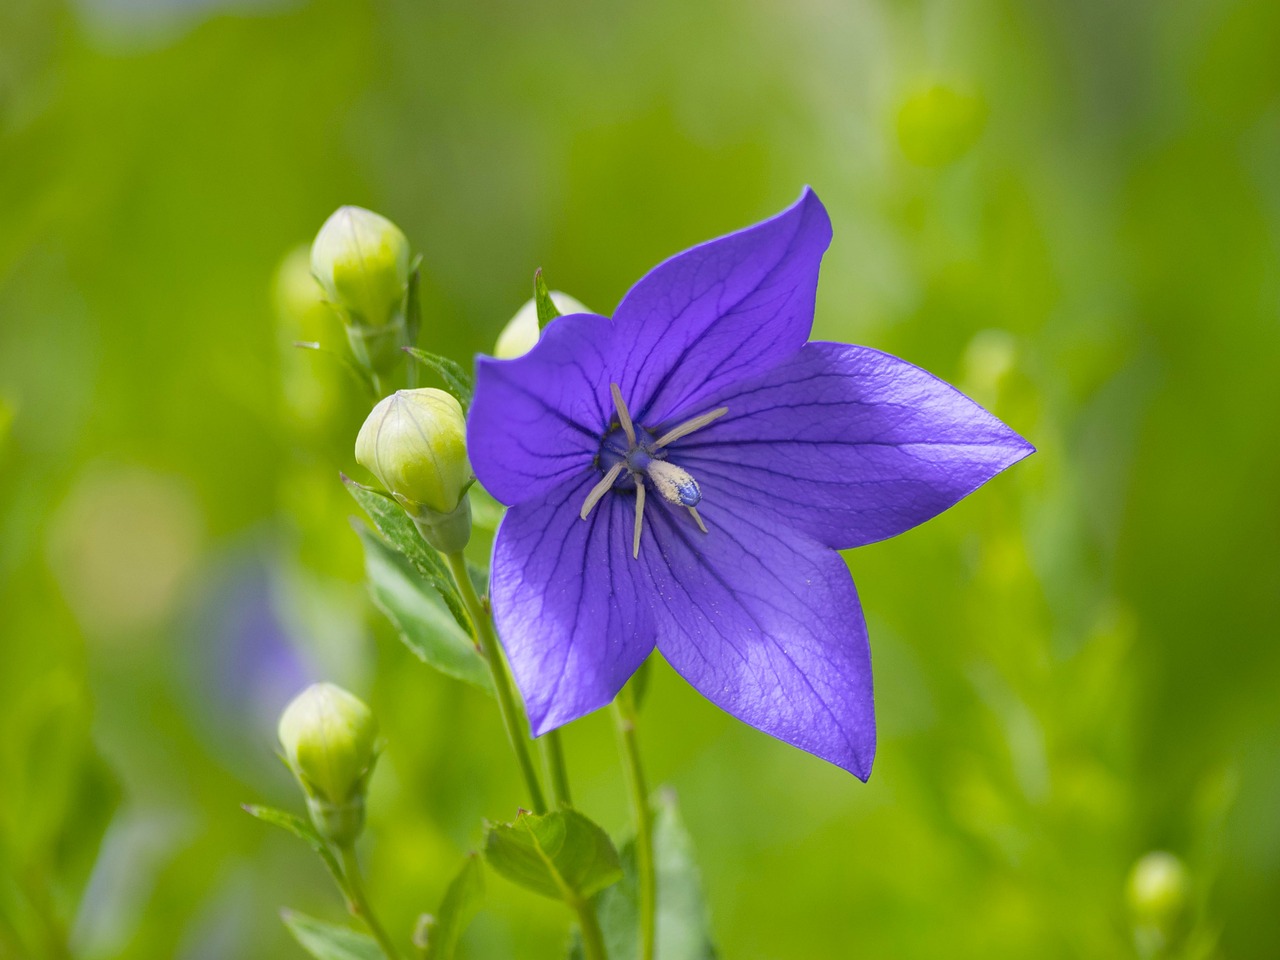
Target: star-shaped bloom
[(682, 475)]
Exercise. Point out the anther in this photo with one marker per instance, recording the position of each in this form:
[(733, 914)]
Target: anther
[(686, 428), (635, 540), (600, 489), (624, 416)]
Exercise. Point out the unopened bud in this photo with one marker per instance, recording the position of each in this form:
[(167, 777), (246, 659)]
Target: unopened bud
[(1158, 890), (330, 742), (415, 443), (521, 332), (362, 261)]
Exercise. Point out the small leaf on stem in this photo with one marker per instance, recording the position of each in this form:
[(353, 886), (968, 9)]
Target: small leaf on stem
[(547, 310), (561, 855), (456, 379), (328, 941), (419, 615)]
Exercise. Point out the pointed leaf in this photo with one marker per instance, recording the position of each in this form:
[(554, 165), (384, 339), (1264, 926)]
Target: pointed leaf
[(456, 379), (561, 855), (547, 310), (683, 931), (328, 941), (398, 530), (420, 615), (301, 829), (457, 910)]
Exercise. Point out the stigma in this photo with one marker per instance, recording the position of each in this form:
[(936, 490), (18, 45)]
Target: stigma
[(643, 462)]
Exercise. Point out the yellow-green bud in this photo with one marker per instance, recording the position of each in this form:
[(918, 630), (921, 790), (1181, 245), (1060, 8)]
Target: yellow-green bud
[(521, 332), (330, 741), (1158, 889), (415, 443), (362, 260)]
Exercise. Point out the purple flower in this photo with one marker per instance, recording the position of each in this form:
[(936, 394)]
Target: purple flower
[(683, 474)]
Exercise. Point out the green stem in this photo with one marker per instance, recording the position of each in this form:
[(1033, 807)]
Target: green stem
[(592, 938), (358, 899), (554, 753), (624, 712), (512, 713)]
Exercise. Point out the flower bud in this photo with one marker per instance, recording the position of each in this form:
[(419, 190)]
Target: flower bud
[(1158, 890), (415, 443), (330, 739), (521, 332), (362, 261)]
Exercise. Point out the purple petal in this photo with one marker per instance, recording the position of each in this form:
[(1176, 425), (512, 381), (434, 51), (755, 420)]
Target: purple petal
[(720, 312), (848, 444), (537, 420), (573, 617), (765, 622)]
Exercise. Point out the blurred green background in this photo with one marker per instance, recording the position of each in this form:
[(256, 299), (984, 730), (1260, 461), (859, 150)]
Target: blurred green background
[(1071, 210)]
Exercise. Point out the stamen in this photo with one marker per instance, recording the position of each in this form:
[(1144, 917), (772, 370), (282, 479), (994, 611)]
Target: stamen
[(686, 428), (600, 489), (624, 415), (698, 519), (635, 541)]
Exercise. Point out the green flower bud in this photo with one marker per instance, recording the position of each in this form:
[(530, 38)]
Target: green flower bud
[(362, 261), (1158, 890), (521, 332), (415, 443), (330, 740)]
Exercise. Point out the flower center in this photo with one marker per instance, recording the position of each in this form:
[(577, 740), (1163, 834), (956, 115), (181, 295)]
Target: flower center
[(630, 455)]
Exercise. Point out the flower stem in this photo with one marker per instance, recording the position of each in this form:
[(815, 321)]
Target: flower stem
[(592, 938), (624, 712), (360, 901), (512, 713), (554, 750)]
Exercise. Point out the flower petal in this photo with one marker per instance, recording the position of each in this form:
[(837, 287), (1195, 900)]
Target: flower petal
[(765, 622), (536, 421), (573, 614), (721, 311), (849, 444)]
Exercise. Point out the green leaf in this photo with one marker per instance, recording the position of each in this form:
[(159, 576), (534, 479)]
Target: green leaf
[(419, 614), (561, 855), (301, 829), (328, 941), (457, 910), (547, 310), (456, 379), (683, 930), (398, 530)]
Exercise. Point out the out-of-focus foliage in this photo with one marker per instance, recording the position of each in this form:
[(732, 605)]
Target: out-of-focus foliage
[(1070, 209)]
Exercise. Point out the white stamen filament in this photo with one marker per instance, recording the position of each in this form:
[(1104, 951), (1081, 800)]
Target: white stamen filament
[(600, 489), (624, 416), (686, 428), (635, 541)]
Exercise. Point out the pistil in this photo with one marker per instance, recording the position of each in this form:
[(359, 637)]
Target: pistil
[(646, 460)]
